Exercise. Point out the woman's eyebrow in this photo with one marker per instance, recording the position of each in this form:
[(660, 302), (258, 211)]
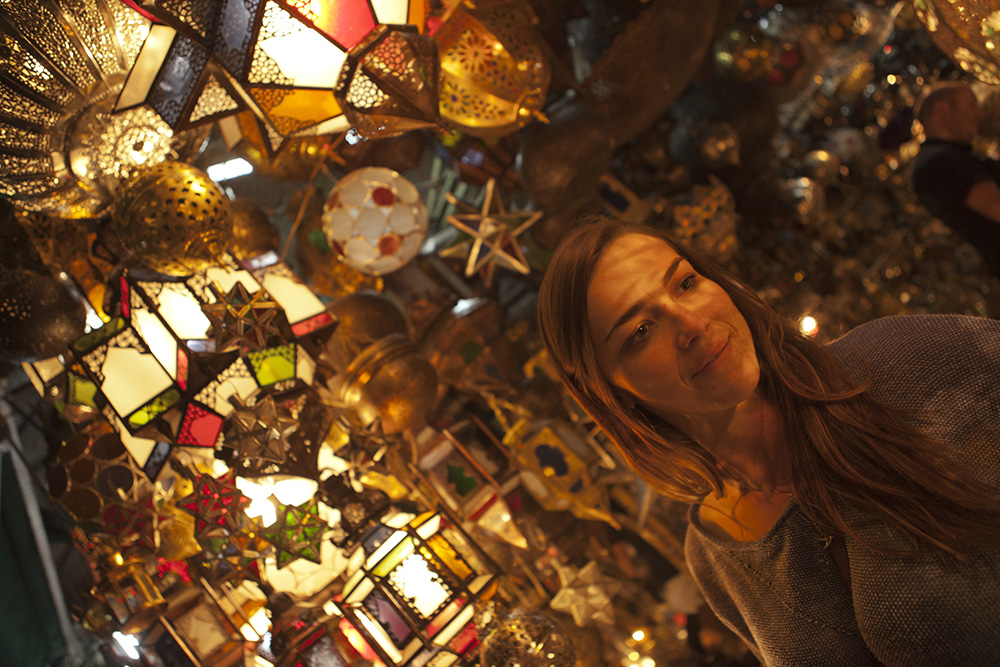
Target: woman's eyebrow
[(641, 303)]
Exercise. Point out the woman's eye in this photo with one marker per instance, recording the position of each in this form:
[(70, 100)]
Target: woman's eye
[(638, 336), (688, 282)]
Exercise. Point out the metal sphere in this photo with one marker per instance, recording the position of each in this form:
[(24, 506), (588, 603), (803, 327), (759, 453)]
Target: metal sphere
[(173, 218)]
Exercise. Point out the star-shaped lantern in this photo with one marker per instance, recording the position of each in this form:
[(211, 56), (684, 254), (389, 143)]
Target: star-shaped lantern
[(217, 506), (241, 320), (134, 523), (258, 435), (586, 594), (278, 58), (298, 533), (494, 235)]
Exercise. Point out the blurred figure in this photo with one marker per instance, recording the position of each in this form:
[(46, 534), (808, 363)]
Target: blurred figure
[(956, 186)]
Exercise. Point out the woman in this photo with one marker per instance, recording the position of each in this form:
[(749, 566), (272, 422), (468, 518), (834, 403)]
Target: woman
[(845, 505)]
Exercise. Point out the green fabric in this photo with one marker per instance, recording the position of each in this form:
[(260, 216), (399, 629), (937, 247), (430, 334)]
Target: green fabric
[(29, 628)]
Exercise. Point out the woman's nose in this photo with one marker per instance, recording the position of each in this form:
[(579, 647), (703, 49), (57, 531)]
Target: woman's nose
[(690, 326)]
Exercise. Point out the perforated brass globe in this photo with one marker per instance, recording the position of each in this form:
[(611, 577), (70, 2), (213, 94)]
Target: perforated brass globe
[(173, 218)]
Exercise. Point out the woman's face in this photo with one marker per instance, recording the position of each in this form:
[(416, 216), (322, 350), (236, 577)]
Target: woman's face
[(667, 336)]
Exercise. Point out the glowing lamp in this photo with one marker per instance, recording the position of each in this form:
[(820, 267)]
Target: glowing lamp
[(131, 595), (412, 596), (281, 58)]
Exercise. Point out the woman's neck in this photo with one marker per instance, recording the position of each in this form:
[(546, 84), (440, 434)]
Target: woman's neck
[(747, 441)]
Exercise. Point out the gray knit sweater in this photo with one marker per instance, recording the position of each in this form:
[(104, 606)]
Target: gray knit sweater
[(783, 594)]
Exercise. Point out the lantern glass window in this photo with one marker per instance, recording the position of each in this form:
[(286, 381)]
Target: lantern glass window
[(416, 581)]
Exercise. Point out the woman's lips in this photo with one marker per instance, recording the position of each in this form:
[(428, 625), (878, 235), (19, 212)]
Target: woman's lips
[(713, 358)]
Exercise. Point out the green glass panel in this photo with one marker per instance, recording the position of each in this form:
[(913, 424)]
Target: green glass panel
[(98, 336), (273, 365), (81, 391), (155, 407), (395, 557)]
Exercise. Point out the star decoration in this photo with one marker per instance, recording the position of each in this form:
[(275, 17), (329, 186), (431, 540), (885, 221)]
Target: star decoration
[(217, 506), (134, 523), (585, 594), (494, 235), (241, 321), (234, 557), (258, 436), (313, 419), (358, 509), (298, 533)]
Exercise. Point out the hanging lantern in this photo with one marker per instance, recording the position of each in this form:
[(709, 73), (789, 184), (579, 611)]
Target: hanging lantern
[(376, 219), (92, 472), (157, 375), (60, 150), (174, 219), (413, 595), (388, 85), (280, 58), (39, 316), (556, 474), (494, 74), (967, 32), (131, 595)]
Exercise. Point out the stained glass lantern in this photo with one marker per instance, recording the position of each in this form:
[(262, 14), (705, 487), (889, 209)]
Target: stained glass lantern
[(413, 594), (129, 592), (494, 74), (281, 58), (60, 149), (375, 219), (389, 84), (169, 70), (555, 472)]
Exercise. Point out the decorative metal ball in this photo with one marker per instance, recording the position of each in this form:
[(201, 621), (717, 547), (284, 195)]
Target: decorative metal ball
[(523, 638), (173, 218), (253, 232), (39, 317), (362, 319), (375, 219)]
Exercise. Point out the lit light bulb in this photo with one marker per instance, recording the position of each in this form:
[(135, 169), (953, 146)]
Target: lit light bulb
[(808, 325)]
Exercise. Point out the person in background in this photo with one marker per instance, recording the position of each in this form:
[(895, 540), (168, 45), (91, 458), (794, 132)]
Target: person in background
[(845, 499), (958, 187)]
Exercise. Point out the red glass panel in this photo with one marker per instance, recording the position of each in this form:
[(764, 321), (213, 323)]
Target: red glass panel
[(200, 428), (182, 369), (125, 304), (346, 22), (312, 324)]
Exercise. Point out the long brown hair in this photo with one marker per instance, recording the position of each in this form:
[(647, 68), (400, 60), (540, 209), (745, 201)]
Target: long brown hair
[(845, 448)]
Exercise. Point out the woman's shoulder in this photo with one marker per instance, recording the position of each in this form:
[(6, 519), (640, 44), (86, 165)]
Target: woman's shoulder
[(919, 345)]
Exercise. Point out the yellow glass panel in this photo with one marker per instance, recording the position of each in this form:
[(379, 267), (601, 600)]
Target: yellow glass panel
[(291, 110)]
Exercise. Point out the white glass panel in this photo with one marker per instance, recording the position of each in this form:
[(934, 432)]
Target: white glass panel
[(157, 338), (391, 11), (303, 54), (184, 314), (298, 300), (131, 378)]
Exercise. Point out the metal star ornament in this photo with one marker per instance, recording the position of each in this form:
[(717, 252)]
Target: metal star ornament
[(298, 532), (258, 436), (240, 320), (586, 594), (494, 235), (217, 506)]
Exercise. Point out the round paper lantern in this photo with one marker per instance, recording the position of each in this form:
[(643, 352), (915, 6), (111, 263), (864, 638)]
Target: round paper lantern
[(173, 218), (375, 219), (39, 317)]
